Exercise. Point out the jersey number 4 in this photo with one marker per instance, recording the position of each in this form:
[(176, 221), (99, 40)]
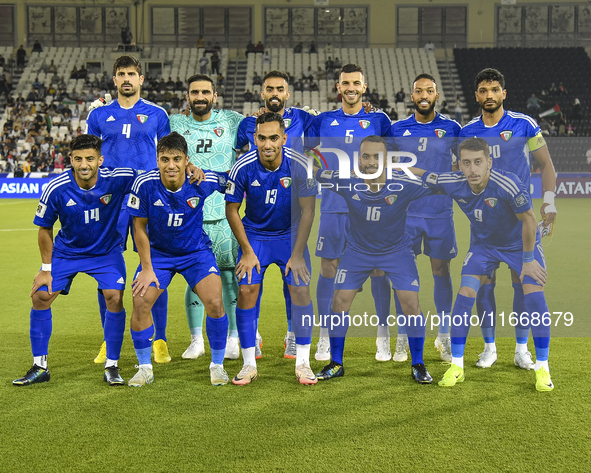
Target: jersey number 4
[(126, 130), (203, 146)]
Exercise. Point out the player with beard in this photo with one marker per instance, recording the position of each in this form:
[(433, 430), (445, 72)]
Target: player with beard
[(130, 127), (275, 93), (432, 137), (211, 139), (513, 138)]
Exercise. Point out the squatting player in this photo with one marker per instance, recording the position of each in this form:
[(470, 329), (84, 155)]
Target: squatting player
[(211, 141), (87, 200), (344, 129), (513, 139), (376, 241), (130, 127), (278, 217), (431, 137), (503, 229), (275, 92), (168, 232)]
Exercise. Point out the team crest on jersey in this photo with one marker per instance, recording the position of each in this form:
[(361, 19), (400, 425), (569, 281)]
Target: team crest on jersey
[(364, 123), (439, 132), (219, 131), (506, 134), (193, 202), (105, 199), (390, 199), (287, 122), (285, 182), (142, 118), (491, 202)]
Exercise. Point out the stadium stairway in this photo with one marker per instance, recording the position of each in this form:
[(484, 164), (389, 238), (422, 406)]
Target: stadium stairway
[(236, 84), (451, 86)]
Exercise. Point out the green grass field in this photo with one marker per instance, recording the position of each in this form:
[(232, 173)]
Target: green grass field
[(374, 419)]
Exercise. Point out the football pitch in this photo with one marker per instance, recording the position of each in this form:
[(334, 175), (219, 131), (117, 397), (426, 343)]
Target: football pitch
[(375, 418)]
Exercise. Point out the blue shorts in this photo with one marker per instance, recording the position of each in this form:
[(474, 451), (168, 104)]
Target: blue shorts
[(483, 259), (400, 267), (108, 270), (332, 235), (194, 267), (273, 251), (438, 235)]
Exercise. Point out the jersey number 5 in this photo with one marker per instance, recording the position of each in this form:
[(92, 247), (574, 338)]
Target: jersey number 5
[(203, 146)]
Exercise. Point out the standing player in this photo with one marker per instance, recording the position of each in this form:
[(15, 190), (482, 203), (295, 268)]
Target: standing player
[(168, 231), (432, 138), (503, 229), (513, 139), (275, 93), (87, 200), (130, 127), (279, 214), (376, 240), (211, 140), (344, 129)]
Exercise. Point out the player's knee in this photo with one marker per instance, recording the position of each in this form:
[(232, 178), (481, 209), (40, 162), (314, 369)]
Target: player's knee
[(41, 300), (328, 267), (114, 300), (300, 295), (440, 267), (247, 296)]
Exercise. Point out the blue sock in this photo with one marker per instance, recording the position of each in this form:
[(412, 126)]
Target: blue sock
[(288, 305), (485, 304), (102, 306), (416, 330), (245, 321), (303, 322), (536, 302), (324, 293), (40, 331), (114, 331), (380, 289), (400, 317), (460, 324), (337, 333), (443, 296), (217, 332), (159, 315), (143, 344), (521, 331)]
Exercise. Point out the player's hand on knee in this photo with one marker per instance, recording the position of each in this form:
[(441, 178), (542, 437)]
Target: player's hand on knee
[(535, 271), (196, 175), (42, 278), (548, 213), (245, 266), (100, 102), (297, 265), (142, 282)]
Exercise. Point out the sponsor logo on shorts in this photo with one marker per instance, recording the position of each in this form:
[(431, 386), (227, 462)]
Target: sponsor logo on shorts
[(415, 283), (121, 280), (105, 199), (213, 269)]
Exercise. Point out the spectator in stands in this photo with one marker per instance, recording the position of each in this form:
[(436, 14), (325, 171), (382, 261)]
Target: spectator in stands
[(298, 86), (374, 98), (458, 111), (73, 95), (19, 172), (55, 79), (209, 48), (37, 84), (313, 48), (400, 96), (266, 59), (247, 95), (126, 35), (577, 110), (27, 166), (298, 48), (3, 86), (337, 64), (553, 129), (328, 50), (320, 74), (430, 47), (250, 48), (221, 80), (313, 86), (545, 127), (562, 89), (37, 47), (256, 79), (82, 72), (215, 63), (32, 96), (308, 75), (170, 84), (52, 68), (74, 73), (553, 90), (2, 61), (393, 114), (162, 85), (444, 108), (165, 105), (561, 128), (203, 62), (329, 64), (533, 104), (259, 48), (179, 84), (570, 129), (200, 42), (21, 56), (588, 156), (384, 103)]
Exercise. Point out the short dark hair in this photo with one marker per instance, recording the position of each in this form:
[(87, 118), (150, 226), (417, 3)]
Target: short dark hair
[(198, 78), (277, 74), (173, 141), (123, 62), (86, 142), (489, 75), (349, 68), (474, 144), (374, 139), (424, 76), (269, 117)]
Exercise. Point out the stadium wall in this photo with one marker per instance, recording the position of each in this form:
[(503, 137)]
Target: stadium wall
[(382, 16)]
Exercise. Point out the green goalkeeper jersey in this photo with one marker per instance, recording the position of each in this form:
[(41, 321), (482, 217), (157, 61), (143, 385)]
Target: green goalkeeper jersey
[(211, 146)]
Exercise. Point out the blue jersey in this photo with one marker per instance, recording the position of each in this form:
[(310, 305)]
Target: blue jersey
[(175, 219), (297, 122), (337, 129), (377, 219), (434, 144), (129, 134), (492, 213), (272, 197), (510, 142), (88, 217)]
